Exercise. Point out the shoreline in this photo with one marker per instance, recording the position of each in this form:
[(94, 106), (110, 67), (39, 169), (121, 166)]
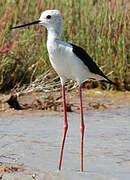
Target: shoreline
[(93, 100)]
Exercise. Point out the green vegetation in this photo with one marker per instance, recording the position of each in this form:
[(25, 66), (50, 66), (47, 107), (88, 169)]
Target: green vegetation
[(99, 26)]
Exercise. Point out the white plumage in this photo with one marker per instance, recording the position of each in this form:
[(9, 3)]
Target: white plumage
[(61, 55), (67, 64)]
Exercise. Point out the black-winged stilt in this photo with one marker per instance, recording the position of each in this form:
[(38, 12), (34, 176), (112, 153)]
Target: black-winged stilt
[(70, 62)]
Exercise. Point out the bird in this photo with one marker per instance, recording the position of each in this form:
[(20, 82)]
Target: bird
[(70, 62)]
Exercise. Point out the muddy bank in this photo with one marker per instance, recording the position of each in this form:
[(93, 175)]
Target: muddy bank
[(93, 100)]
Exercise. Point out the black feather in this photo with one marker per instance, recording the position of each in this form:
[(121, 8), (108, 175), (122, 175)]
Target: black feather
[(88, 61)]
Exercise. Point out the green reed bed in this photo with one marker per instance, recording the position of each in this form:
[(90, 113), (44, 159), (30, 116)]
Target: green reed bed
[(100, 27)]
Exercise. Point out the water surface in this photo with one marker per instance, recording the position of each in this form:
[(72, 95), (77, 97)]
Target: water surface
[(33, 142)]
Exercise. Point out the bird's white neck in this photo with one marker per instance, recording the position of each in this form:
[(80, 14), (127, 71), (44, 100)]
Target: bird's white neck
[(54, 33)]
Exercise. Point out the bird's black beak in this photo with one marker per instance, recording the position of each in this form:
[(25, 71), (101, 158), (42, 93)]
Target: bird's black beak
[(35, 22)]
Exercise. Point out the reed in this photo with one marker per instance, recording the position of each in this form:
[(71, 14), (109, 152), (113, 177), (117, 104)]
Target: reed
[(101, 27)]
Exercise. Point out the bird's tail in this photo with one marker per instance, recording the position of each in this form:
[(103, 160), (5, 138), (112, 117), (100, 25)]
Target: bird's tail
[(107, 80)]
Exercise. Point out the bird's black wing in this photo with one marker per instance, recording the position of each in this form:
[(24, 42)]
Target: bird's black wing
[(87, 60)]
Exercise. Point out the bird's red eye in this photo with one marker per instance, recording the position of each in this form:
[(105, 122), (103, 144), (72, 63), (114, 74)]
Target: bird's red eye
[(48, 17)]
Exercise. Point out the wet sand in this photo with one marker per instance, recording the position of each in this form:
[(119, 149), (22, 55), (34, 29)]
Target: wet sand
[(32, 142)]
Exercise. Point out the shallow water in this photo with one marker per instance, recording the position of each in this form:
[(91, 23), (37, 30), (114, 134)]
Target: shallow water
[(33, 142)]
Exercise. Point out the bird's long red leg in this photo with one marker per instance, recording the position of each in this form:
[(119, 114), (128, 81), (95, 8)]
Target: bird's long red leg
[(65, 125), (81, 127)]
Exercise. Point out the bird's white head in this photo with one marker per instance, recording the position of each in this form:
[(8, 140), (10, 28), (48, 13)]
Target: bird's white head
[(52, 20)]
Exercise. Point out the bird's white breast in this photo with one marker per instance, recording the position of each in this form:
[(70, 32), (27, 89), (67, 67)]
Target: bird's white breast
[(66, 63)]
